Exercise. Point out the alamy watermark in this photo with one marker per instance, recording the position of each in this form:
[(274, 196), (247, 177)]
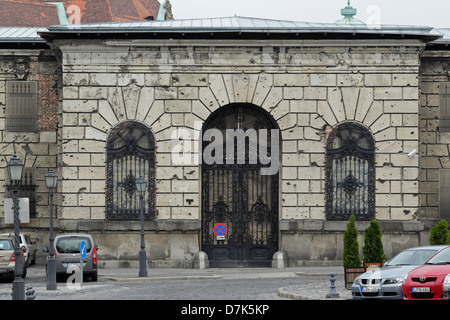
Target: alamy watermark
[(234, 146), (374, 18), (75, 280), (73, 14)]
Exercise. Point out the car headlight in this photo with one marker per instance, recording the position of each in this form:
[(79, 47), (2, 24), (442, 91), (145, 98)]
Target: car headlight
[(357, 281), (447, 279), (396, 280)]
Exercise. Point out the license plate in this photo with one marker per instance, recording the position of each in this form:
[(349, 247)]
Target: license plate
[(71, 264), (370, 289), (420, 289)]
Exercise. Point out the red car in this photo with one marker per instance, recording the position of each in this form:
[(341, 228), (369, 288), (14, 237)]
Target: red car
[(426, 282)]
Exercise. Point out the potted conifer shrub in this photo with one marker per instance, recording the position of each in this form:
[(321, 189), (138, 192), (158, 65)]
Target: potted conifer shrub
[(439, 233), (373, 251), (350, 254)]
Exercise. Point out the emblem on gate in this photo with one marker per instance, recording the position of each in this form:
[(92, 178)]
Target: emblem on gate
[(129, 184)]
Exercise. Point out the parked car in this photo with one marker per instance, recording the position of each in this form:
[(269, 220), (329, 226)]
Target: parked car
[(446, 289), (386, 282), (67, 254), (8, 259), (28, 248), (427, 281)]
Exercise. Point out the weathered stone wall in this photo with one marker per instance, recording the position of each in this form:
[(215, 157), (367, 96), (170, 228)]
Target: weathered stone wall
[(38, 149), (434, 153), (305, 87)]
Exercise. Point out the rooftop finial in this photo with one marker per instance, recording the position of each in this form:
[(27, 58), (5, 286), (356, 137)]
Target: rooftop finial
[(349, 12)]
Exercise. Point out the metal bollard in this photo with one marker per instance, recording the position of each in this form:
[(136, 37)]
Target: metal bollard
[(30, 293), (333, 293)]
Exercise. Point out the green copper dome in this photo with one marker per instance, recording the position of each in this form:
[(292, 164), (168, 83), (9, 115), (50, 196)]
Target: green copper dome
[(349, 12)]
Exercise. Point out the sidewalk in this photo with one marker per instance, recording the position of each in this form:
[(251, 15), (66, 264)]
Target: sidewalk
[(315, 286)]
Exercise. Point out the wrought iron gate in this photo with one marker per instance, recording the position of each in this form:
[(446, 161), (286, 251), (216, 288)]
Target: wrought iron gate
[(350, 173), (130, 154), (240, 197)]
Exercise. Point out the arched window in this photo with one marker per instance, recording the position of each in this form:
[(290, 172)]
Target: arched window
[(350, 173), (130, 154)]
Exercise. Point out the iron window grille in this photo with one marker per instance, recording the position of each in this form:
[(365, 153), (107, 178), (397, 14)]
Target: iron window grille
[(444, 107), (27, 189), (130, 154), (350, 173), (21, 106)]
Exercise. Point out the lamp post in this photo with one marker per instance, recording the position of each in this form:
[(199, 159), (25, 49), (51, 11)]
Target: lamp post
[(51, 180), (15, 167), (141, 185)]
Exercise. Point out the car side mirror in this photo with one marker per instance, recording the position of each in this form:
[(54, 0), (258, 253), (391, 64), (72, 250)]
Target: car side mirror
[(45, 249)]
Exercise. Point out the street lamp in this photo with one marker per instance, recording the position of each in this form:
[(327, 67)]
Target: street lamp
[(141, 185), (51, 180), (15, 167)]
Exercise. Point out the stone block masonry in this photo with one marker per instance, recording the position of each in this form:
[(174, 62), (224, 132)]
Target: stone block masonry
[(433, 149), (38, 150), (306, 91)]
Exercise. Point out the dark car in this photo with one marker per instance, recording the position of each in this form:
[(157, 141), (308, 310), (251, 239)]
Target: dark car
[(67, 255)]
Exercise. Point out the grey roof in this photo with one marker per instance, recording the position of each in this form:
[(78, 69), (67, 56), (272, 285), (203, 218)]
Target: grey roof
[(445, 33), (218, 25), (239, 24), (20, 34)]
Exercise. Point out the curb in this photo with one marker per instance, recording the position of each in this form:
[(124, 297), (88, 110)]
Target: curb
[(283, 293), (295, 293), (115, 279), (315, 274)]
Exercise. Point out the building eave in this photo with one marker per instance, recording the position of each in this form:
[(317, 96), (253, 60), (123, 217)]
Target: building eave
[(235, 27)]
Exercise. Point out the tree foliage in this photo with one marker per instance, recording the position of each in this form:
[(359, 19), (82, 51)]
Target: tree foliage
[(373, 250), (350, 255), (439, 233)]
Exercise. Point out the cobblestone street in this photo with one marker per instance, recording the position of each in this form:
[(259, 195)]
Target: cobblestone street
[(199, 285)]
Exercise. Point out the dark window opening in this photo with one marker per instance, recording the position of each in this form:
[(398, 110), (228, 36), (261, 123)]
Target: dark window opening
[(350, 173), (130, 155)]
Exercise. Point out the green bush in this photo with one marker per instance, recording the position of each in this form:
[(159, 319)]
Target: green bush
[(373, 247), (350, 255), (439, 233)]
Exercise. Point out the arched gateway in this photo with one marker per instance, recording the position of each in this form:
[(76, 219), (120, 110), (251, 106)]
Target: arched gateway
[(240, 187)]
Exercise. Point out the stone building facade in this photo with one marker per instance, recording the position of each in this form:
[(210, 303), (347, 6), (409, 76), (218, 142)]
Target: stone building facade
[(434, 132), (350, 104), (33, 64)]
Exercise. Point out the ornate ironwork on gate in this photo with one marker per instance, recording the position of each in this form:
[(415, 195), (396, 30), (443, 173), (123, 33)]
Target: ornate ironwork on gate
[(130, 154), (237, 195), (350, 173)]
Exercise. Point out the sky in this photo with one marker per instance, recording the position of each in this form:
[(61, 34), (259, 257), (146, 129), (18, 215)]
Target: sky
[(433, 13)]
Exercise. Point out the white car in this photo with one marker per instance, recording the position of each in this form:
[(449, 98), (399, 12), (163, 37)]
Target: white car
[(28, 249)]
